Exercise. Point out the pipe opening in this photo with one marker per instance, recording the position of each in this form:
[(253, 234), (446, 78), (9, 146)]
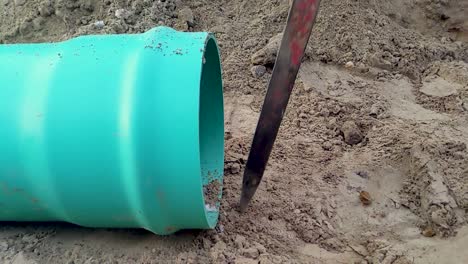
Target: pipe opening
[(211, 131)]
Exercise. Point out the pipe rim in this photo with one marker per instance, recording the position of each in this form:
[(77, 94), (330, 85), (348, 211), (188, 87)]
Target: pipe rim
[(211, 130)]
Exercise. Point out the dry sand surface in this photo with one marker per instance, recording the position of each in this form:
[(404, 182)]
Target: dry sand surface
[(371, 164)]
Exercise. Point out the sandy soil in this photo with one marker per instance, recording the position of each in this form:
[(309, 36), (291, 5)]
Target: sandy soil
[(371, 162)]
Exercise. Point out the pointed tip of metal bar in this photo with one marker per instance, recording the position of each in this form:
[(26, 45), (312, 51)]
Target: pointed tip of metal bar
[(249, 187), (244, 201)]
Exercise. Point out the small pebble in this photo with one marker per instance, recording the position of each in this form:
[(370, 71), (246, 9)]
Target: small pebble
[(351, 132), (220, 246), (38, 22), (261, 248), (220, 228), (122, 13), (250, 43), (235, 168), (349, 64), (267, 55), (428, 232), (374, 110), (206, 243), (336, 109), (332, 123), (26, 27), (327, 145), (365, 198), (99, 24), (46, 9), (250, 253), (362, 68), (240, 241), (363, 174), (258, 71), (325, 112), (186, 15)]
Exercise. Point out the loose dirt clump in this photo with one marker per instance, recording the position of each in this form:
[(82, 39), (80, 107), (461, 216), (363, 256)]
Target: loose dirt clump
[(437, 187)]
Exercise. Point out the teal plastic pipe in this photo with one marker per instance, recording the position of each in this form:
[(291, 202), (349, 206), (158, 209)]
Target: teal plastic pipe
[(121, 131)]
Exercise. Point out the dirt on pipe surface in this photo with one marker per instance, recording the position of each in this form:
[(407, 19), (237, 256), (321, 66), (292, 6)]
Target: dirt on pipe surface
[(371, 161)]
